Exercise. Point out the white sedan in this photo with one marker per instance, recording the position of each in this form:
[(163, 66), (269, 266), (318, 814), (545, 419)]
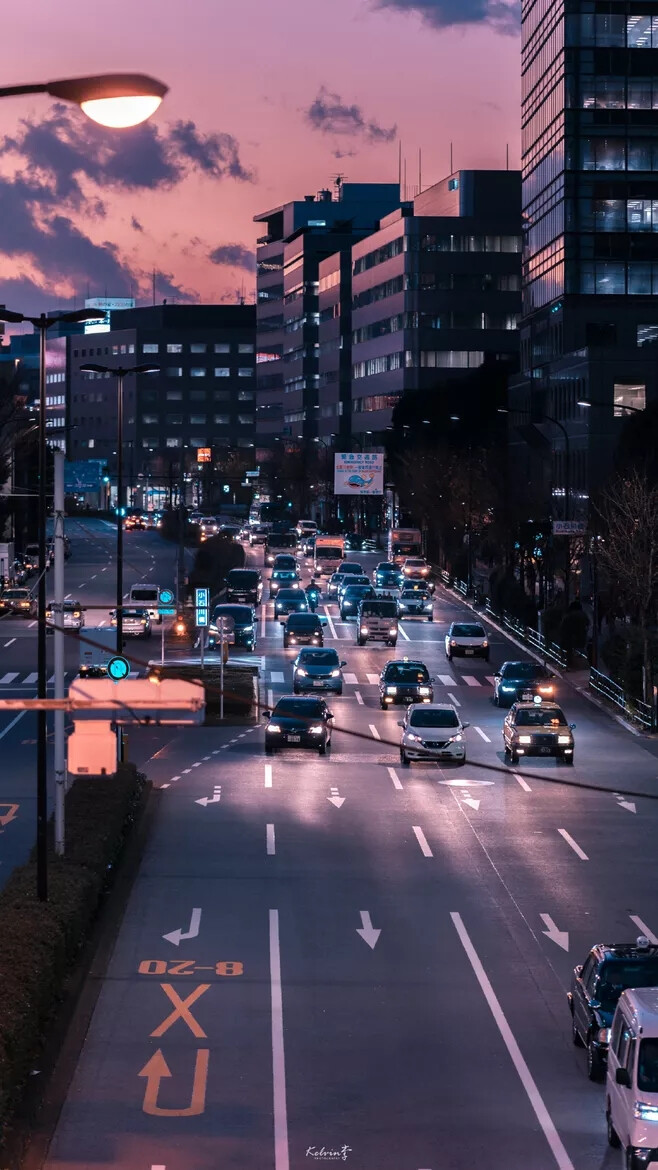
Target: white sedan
[(432, 731), (467, 639)]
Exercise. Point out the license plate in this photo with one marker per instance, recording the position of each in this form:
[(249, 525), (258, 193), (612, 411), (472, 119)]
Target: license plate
[(545, 751), (469, 651), (318, 684), (294, 739), (526, 695)]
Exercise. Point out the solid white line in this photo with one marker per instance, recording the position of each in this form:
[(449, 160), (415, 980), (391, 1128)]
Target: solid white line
[(12, 724), (359, 698), (373, 679), (270, 698), (31, 625), (422, 841), (574, 844), (373, 731), (281, 1153), (9, 643), (397, 783), (525, 1076), (401, 631), (454, 699), (277, 676), (644, 928), (448, 680), (269, 838), (268, 775), (471, 680), (350, 679), (263, 618), (480, 732), (330, 622), (524, 784)]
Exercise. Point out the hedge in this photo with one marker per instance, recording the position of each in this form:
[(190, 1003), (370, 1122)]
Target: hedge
[(238, 685), (41, 940)]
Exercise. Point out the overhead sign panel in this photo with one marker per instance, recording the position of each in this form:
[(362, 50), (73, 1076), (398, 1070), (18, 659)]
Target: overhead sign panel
[(359, 473), (82, 475), (569, 527)]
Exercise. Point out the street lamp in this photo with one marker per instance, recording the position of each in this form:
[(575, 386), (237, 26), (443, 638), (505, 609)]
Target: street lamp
[(121, 372), (116, 100), (605, 405)]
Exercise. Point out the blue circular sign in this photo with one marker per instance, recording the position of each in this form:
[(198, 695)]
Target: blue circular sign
[(118, 668), (166, 596)]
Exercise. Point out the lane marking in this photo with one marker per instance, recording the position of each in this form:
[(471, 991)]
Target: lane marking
[(268, 775), (277, 676), (172, 778), (12, 724), (359, 698), (9, 643), (270, 698), (373, 731), (448, 680), (471, 680), (182, 1010), (404, 635), (490, 678), (350, 679), (281, 1151), (330, 622), (30, 680), (8, 678), (574, 845), (397, 783), (544, 1118), (480, 732), (524, 784), (263, 618), (642, 926), (422, 841), (373, 679), (269, 838), (31, 625), (454, 699), (101, 623)]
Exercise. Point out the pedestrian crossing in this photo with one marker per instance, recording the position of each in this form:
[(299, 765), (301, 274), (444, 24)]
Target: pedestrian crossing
[(372, 680)]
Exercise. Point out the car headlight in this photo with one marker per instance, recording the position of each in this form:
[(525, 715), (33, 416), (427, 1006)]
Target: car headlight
[(391, 690), (76, 613), (273, 727), (292, 638), (525, 739), (564, 739), (458, 738), (364, 630), (548, 690), (453, 642), (485, 644), (335, 674), (247, 629), (414, 738), (393, 630), (316, 729), (300, 670), (428, 605), (644, 1111), (279, 605), (506, 688), (424, 691), (295, 586)]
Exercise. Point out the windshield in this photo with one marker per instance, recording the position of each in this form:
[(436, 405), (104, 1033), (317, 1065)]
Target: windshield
[(402, 548), (281, 540), (248, 578), (386, 609), (358, 591), (284, 562), (134, 613), (523, 670), (143, 593), (468, 632), (616, 975), (351, 567), (541, 717), (325, 550), (387, 567), (283, 575), (319, 657), (241, 614), (310, 708), (647, 1066), (406, 672), (413, 594), (16, 594), (291, 595), (428, 718), (304, 621)]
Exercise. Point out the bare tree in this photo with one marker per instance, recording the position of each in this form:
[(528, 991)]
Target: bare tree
[(629, 553)]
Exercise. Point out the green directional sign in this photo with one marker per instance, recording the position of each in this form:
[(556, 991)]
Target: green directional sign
[(118, 668)]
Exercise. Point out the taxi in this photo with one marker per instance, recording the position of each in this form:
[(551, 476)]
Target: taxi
[(538, 729)]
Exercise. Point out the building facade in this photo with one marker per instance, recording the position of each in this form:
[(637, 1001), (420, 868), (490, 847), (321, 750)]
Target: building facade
[(590, 206), (435, 290)]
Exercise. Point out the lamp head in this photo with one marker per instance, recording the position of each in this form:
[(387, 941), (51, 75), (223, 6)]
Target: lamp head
[(117, 100)]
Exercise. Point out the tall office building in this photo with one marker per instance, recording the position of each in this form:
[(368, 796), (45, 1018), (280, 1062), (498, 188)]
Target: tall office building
[(590, 205), (299, 235)]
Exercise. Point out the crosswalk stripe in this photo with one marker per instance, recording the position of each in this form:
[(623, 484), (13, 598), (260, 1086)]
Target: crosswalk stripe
[(490, 678), (277, 676), (447, 680), (351, 679), (373, 679), (471, 680), (8, 678), (30, 680)]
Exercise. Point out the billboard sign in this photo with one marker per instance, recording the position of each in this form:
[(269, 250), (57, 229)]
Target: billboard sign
[(569, 527), (82, 475), (204, 454), (359, 473)]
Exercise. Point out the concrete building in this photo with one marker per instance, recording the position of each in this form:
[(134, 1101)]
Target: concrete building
[(434, 290), (590, 205), (299, 236)]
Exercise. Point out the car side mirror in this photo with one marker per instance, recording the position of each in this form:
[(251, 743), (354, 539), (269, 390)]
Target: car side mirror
[(400, 723), (330, 714), (622, 1077), (465, 725), (343, 663), (579, 970), (323, 621), (498, 674), (266, 714), (572, 726)]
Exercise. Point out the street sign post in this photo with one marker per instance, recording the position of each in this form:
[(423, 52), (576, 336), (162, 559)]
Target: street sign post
[(202, 614), (569, 527)]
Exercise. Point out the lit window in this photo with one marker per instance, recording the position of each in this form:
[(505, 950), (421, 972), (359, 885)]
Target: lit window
[(92, 443), (222, 420), (198, 372), (222, 371), (647, 334), (222, 347), (245, 419), (174, 371), (629, 398), (174, 395), (150, 347), (176, 442), (174, 347), (150, 420), (245, 347), (245, 372), (198, 420), (198, 347)]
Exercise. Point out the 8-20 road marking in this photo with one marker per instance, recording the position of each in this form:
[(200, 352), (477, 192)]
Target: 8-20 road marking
[(188, 967)]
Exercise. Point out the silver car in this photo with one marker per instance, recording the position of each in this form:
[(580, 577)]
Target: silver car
[(136, 623), (432, 731), (72, 614)]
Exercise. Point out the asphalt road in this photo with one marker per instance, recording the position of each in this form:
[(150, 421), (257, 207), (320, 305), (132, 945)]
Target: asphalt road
[(340, 960), (90, 576)]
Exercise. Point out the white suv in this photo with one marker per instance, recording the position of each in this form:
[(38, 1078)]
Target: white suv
[(467, 639), (432, 731)]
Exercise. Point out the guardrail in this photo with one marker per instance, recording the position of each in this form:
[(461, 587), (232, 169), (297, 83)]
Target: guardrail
[(526, 634), (635, 709)]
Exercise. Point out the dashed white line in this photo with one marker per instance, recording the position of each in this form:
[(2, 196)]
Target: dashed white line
[(164, 786), (269, 838), (397, 783), (31, 625), (448, 680), (574, 845), (481, 732), (359, 698), (404, 635), (277, 676), (268, 775), (373, 731), (350, 679), (12, 724), (422, 841), (642, 926), (454, 699), (330, 622), (524, 784), (270, 698), (174, 778), (525, 1076), (9, 643)]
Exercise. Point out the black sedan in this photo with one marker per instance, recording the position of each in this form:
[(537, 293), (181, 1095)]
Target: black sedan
[(352, 598), (522, 681), (386, 575), (298, 722), (239, 627), (303, 629), (290, 600), (405, 681)]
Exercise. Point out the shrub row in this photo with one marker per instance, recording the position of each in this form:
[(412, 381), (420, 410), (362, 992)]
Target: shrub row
[(238, 685), (41, 940)]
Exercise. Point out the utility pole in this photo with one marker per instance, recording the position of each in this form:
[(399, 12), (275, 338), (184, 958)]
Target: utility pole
[(58, 636), (181, 533)]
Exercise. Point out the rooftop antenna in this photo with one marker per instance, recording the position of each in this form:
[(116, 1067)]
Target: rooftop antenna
[(338, 181), (420, 170), (451, 158), (507, 156), (400, 167), (153, 285)]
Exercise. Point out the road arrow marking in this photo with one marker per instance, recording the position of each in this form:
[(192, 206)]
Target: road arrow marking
[(335, 799), (214, 799), (156, 1068), (627, 804), (5, 818), (177, 936), (561, 937), (642, 926), (470, 802), (367, 930)]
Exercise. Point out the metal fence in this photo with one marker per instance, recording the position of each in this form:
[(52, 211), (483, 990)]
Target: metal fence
[(635, 709), (526, 634)]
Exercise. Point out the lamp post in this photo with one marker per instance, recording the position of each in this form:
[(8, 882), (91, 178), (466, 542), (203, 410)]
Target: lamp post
[(121, 372), (116, 100)]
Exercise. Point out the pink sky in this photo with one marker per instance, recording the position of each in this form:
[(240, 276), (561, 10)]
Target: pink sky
[(251, 70)]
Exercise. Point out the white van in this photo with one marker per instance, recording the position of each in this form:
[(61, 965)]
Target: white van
[(632, 1081), (146, 596)]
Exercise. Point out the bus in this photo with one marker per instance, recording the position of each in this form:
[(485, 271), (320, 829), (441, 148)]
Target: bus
[(403, 543)]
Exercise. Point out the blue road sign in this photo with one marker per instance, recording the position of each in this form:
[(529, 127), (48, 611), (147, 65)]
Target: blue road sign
[(201, 604), (166, 596), (166, 610), (118, 668)]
